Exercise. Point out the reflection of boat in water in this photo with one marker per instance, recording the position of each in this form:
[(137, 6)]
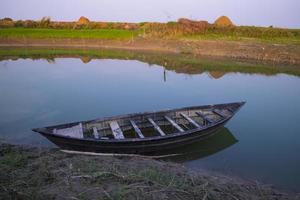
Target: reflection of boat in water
[(216, 143)]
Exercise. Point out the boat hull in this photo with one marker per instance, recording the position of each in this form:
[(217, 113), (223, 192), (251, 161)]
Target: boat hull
[(133, 147)]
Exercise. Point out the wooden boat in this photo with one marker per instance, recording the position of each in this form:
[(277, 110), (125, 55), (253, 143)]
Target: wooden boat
[(142, 132)]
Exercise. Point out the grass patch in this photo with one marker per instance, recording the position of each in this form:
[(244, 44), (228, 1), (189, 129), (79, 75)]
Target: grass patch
[(50, 174), (112, 34), (220, 37), (161, 30), (246, 33)]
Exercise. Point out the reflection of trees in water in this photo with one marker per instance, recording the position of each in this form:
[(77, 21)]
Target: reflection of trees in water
[(180, 63)]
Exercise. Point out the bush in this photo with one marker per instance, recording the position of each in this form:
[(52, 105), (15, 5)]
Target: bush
[(62, 25), (44, 22), (30, 24), (251, 32), (174, 29), (19, 23), (7, 19), (6, 23)]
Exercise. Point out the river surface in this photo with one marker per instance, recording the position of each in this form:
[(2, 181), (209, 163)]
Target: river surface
[(262, 142)]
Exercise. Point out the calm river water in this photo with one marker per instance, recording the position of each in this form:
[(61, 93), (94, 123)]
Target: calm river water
[(262, 142)]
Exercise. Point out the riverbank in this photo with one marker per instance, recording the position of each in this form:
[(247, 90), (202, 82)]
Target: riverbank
[(41, 173), (273, 53)]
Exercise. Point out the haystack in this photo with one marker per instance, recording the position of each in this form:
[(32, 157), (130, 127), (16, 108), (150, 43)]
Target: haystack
[(83, 21), (223, 21)]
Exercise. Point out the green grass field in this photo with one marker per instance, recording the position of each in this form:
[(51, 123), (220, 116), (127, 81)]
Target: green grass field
[(247, 33), (243, 33), (112, 34)]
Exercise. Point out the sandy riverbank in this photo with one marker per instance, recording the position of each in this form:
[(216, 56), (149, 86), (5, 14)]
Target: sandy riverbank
[(34, 173), (265, 52)]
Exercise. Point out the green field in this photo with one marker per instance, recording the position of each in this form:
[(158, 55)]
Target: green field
[(248, 33), (242, 33), (42, 33)]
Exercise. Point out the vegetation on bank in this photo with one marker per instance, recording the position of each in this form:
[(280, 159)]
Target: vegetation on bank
[(181, 63), (182, 29), (249, 33), (32, 173), (65, 33)]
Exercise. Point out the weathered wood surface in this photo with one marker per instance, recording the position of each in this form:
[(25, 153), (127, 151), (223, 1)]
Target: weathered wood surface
[(204, 117), (136, 129), (190, 120), (138, 145), (230, 110), (156, 127), (95, 133), (174, 124), (219, 113), (74, 131), (116, 130)]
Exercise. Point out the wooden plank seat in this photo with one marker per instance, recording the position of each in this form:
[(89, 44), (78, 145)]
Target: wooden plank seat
[(174, 124), (137, 129), (219, 113), (190, 120), (116, 130), (206, 119), (96, 133), (74, 131), (157, 128)]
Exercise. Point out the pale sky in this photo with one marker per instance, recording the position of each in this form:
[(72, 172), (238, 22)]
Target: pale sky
[(279, 13)]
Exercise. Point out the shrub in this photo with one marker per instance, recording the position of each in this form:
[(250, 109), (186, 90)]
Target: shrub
[(44, 22), (250, 31), (6, 23), (30, 24), (174, 29), (7, 19), (18, 23), (62, 25)]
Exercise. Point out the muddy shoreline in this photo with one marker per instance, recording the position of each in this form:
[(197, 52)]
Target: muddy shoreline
[(43, 173), (264, 52)]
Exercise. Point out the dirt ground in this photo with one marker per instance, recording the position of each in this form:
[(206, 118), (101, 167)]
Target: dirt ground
[(275, 53), (35, 173)]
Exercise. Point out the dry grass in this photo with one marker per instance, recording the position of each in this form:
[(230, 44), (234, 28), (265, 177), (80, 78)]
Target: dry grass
[(49, 174)]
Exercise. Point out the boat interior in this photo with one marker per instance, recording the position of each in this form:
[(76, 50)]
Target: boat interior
[(145, 125)]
